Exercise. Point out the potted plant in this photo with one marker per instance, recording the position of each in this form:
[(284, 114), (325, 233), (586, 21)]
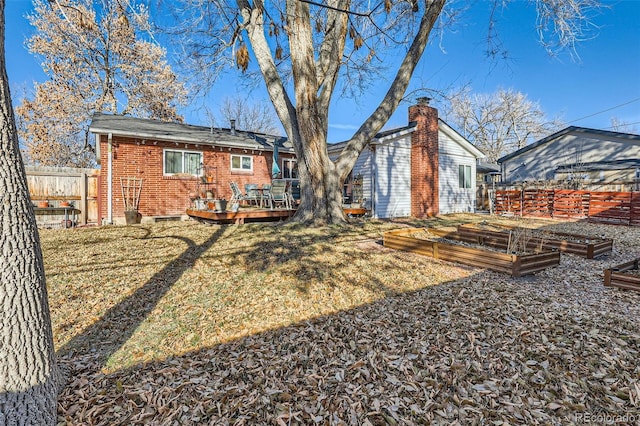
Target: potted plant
[(131, 189), (220, 205), (132, 217)]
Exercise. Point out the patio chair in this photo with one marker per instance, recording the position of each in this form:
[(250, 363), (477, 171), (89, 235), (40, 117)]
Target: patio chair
[(253, 194), (266, 194), (237, 195), (279, 193), (294, 193)]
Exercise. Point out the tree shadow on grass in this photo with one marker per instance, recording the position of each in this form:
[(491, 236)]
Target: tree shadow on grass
[(322, 256), (418, 348), (107, 335), (393, 346), (309, 262), (246, 379)]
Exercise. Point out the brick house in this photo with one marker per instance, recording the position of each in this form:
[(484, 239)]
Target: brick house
[(423, 169), (174, 159)]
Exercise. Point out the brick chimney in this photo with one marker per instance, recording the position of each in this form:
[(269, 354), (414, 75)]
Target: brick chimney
[(424, 159)]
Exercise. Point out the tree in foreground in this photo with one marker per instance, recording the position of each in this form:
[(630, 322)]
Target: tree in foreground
[(100, 57), (499, 123), (29, 377), (307, 49)]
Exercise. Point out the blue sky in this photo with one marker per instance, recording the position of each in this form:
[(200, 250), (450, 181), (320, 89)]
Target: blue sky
[(604, 82)]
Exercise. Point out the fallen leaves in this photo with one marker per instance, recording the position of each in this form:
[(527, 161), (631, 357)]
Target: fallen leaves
[(409, 340)]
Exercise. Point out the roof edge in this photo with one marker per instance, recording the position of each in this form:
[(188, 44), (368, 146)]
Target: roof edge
[(563, 132)]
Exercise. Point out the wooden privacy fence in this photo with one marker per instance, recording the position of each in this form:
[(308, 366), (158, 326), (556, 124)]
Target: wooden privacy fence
[(57, 184), (603, 207)]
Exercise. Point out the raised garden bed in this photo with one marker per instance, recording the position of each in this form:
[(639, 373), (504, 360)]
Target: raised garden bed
[(514, 264), (581, 245), (625, 275)]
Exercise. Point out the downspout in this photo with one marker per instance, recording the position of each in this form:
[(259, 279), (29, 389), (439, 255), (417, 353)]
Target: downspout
[(373, 181), (109, 180)]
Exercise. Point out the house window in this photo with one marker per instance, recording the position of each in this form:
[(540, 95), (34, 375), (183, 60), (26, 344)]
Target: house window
[(242, 163), (187, 162), (464, 176), (289, 168)]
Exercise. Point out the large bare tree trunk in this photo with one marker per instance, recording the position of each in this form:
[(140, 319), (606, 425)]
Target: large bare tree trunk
[(321, 178), (318, 50), (29, 377), (322, 197), (314, 79)]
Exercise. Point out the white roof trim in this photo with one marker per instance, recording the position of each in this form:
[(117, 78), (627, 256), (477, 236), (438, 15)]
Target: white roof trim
[(393, 136), (459, 139)]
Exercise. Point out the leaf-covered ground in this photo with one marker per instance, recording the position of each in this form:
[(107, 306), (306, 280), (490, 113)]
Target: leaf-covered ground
[(182, 323)]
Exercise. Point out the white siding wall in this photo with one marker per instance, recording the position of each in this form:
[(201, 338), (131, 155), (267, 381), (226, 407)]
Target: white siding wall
[(541, 162), (363, 167), (392, 172), (454, 199)]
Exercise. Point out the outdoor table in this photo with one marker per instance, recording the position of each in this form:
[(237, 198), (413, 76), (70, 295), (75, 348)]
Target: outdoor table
[(67, 211), (262, 196)]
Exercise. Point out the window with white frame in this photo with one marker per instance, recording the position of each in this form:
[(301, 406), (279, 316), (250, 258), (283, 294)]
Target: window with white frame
[(289, 168), (242, 163), (464, 176), (182, 162)]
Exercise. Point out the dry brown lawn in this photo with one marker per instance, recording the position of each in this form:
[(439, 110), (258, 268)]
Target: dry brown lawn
[(183, 323)]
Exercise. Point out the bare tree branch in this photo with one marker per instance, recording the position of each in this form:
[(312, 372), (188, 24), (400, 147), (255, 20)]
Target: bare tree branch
[(500, 122), (306, 49)]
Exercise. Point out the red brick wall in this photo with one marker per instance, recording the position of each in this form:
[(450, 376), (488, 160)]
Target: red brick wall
[(424, 161), (169, 195)]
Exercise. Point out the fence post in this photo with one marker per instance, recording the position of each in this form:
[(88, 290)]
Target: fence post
[(83, 198), (521, 202)]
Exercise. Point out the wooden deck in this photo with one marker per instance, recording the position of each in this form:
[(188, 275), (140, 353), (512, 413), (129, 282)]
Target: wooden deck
[(254, 215), (242, 215), (354, 211)]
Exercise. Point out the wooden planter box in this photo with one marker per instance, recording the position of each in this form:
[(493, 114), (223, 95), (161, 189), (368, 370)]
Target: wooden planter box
[(616, 276), (516, 265), (500, 239)]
